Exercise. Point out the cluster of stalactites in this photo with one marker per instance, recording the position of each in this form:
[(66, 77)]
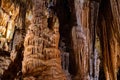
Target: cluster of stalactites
[(8, 14), (12, 15)]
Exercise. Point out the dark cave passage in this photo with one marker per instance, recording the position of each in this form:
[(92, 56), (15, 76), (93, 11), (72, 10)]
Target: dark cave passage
[(118, 74), (67, 21)]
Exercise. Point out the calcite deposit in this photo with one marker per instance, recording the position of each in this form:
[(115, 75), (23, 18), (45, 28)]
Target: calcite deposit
[(41, 55), (59, 39)]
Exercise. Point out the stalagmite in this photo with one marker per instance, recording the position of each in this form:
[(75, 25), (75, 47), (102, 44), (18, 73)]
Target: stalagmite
[(49, 63), (59, 39), (80, 53)]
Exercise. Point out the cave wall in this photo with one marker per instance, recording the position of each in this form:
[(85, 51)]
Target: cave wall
[(59, 39)]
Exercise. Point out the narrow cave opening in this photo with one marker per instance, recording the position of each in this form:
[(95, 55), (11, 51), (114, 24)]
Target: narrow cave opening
[(66, 23), (101, 73)]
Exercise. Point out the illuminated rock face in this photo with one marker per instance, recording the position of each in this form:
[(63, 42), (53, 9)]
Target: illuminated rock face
[(29, 39), (8, 14), (83, 36), (41, 55)]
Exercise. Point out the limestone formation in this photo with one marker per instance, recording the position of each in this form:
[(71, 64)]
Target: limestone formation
[(80, 52), (64, 59), (59, 39), (41, 54), (8, 14)]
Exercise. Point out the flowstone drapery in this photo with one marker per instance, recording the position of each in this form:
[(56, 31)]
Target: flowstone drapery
[(59, 39), (41, 55)]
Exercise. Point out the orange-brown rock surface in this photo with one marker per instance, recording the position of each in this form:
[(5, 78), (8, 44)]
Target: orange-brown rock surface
[(59, 39), (41, 55)]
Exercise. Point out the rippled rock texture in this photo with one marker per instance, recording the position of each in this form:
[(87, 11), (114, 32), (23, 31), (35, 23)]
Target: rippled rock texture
[(41, 55), (59, 39)]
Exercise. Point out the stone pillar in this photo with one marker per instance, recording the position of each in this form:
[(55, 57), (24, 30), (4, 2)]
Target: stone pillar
[(41, 55)]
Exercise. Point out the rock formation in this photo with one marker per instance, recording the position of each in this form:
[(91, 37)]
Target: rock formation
[(41, 55), (59, 39), (64, 59)]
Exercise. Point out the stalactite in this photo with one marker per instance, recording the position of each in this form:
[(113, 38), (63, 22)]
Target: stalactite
[(94, 64), (30, 32), (86, 32), (97, 55), (109, 26), (80, 53)]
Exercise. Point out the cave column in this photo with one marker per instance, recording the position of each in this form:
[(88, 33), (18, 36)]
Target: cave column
[(84, 39)]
